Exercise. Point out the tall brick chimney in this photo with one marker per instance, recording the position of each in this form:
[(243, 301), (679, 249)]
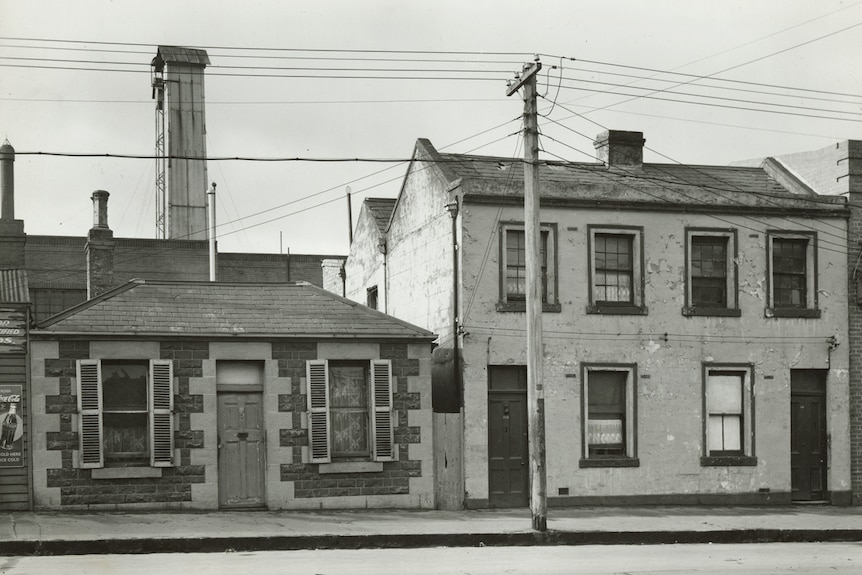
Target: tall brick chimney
[(100, 248), (12, 236), (620, 149)]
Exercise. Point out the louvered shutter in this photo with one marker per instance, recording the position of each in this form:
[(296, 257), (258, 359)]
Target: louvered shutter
[(90, 413), (381, 374), (317, 378), (161, 393)]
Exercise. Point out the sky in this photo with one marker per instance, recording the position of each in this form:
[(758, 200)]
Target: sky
[(345, 80)]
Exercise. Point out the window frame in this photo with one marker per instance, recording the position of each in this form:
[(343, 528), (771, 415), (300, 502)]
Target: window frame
[(381, 413), (636, 306), (160, 406), (629, 458), (746, 456), (550, 299), (731, 307), (810, 310)]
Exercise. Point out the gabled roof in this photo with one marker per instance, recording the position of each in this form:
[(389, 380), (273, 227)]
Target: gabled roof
[(276, 310), (381, 210), (669, 184)]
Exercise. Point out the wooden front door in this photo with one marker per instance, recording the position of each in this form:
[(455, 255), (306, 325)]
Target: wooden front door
[(808, 447), (508, 447), (241, 450)]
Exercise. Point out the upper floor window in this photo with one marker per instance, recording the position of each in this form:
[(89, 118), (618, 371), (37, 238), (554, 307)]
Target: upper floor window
[(513, 267), (609, 420), (711, 285), (125, 413), (616, 270), (792, 258), (350, 416), (371, 297)]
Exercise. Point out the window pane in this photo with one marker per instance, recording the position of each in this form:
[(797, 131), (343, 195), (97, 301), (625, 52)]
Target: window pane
[(709, 271), (516, 264), (606, 416), (724, 394), (724, 433), (125, 436), (124, 386), (613, 268), (348, 397), (789, 275)]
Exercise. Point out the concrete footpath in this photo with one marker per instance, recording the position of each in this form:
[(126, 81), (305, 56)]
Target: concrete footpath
[(75, 533)]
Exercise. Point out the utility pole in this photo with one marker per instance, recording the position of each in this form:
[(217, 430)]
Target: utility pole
[(535, 378)]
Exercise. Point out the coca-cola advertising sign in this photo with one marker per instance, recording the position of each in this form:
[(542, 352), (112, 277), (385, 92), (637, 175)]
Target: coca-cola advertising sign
[(11, 426)]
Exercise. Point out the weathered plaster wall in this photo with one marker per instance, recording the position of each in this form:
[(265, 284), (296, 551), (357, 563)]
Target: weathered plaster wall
[(669, 350), (364, 267)]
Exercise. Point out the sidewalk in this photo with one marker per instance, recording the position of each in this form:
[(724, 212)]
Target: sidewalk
[(50, 533)]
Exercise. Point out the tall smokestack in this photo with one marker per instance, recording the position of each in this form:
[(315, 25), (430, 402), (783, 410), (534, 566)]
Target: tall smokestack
[(12, 236), (100, 248), (186, 140)]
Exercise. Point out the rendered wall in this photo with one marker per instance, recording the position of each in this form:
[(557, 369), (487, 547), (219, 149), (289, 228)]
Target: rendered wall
[(669, 350)]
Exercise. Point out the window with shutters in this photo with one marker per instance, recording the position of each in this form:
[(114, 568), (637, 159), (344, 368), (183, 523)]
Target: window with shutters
[(609, 416), (125, 413), (616, 270), (792, 259), (728, 415), (350, 410)]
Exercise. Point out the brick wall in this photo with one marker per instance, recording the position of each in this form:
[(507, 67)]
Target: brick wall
[(77, 487), (851, 166), (394, 479)]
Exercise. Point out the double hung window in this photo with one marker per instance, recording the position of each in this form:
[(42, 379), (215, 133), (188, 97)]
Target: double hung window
[(711, 284), (728, 416), (609, 422), (350, 415), (125, 415), (513, 267), (792, 261), (616, 270)]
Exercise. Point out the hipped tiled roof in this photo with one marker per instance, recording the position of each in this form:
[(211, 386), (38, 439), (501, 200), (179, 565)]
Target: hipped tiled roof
[(295, 310)]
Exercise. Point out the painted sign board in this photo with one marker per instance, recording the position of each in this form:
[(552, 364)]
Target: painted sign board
[(11, 426), (13, 331)]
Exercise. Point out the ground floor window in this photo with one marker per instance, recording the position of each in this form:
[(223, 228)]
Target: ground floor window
[(124, 412), (728, 415), (609, 420), (350, 410)]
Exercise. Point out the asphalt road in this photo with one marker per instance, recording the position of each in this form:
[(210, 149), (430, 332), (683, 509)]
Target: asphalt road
[(771, 558)]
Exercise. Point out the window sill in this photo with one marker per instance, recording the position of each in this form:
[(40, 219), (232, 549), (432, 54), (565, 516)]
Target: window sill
[(609, 462), (728, 461), (125, 472), (519, 306), (351, 467), (792, 312), (711, 311), (617, 309)]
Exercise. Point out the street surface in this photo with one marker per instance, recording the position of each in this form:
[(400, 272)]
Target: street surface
[(771, 558)]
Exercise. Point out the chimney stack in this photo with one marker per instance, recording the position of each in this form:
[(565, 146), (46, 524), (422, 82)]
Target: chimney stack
[(100, 248), (620, 149), (12, 236)]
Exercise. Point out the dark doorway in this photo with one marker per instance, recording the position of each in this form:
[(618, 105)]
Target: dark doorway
[(508, 470), (808, 455)]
